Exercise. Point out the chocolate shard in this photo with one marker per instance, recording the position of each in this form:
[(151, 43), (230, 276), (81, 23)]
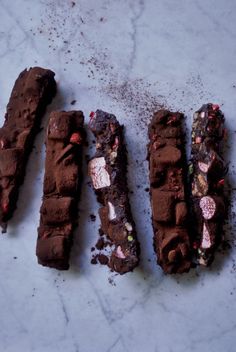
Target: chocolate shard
[(167, 172), (62, 180), (207, 179), (32, 92), (108, 173)]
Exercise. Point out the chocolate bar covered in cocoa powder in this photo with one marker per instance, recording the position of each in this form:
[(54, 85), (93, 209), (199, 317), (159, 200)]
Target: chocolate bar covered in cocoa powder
[(207, 175), (167, 167), (33, 90), (63, 173), (108, 173)]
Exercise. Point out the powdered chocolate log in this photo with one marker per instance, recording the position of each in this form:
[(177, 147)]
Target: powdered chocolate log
[(167, 167), (58, 213), (207, 176), (33, 90), (108, 172)]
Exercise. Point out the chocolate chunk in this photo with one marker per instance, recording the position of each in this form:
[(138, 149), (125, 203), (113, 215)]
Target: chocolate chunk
[(61, 191), (108, 172), (99, 175), (181, 213), (92, 217), (57, 210), (163, 205), (207, 177), (32, 92), (103, 259), (167, 166)]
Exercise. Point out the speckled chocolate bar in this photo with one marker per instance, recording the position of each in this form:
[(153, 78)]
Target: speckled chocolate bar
[(33, 90), (58, 213), (207, 176), (167, 167), (108, 173)]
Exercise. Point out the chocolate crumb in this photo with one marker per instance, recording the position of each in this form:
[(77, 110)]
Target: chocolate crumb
[(92, 217), (111, 281), (102, 258), (100, 244), (94, 260)]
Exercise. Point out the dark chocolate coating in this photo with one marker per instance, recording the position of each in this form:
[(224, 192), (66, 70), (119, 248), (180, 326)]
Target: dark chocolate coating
[(33, 90), (207, 178), (167, 167), (58, 213), (111, 189)]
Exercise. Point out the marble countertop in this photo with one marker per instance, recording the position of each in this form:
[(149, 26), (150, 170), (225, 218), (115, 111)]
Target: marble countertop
[(127, 57)]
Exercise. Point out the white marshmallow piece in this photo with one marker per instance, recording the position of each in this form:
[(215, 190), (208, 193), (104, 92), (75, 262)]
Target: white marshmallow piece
[(119, 253), (202, 114), (202, 262), (206, 240), (97, 171), (128, 227), (208, 207), (111, 211), (203, 166)]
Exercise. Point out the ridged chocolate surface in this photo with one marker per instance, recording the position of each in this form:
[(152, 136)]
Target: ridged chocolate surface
[(58, 213), (167, 167), (33, 90)]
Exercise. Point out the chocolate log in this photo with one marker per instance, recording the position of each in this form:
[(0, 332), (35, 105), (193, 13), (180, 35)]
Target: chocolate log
[(167, 166), (33, 90), (207, 177), (108, 173), (58, 213)]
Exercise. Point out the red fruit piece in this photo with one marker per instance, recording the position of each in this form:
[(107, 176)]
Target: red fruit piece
[(215, 107), (92, 116), (221, 182), (76, 138)]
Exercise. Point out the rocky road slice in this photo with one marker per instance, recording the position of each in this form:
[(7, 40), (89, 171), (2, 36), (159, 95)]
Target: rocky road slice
[(108, 173), (62, 180), (207, 177), (32, 92), (167, 172)]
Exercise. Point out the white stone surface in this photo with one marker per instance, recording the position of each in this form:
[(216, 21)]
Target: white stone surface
[(116, 56)]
